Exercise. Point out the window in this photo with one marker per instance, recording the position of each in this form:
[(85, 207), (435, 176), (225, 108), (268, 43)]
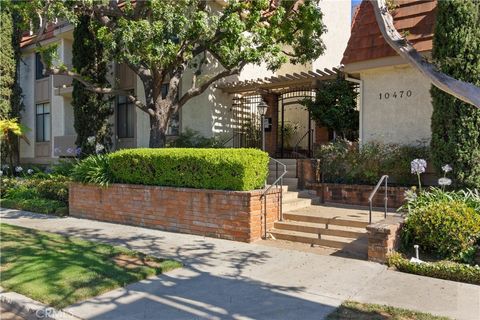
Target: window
[(42, 122), (38, 67), (125, 118)]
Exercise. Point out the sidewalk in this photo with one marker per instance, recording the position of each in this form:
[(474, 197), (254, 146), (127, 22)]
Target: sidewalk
[(231, 280)]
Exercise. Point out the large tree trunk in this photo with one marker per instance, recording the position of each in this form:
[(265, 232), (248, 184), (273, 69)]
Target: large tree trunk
[(158, 130), (464, 91)]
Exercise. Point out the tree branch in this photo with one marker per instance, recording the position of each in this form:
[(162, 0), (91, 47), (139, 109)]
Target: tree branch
[(461, 90), (193, 92)]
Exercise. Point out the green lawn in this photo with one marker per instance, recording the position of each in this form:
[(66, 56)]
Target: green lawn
[(364, 311), (59, 270)]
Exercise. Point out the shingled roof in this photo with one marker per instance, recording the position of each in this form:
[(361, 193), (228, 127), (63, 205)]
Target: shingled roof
[(417, 17)]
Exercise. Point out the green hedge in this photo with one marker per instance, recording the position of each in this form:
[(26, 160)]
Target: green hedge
[(36, 205), (447, 270), (222, 169)]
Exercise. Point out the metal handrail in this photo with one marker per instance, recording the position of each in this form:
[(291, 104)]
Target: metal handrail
[(370, 199), (267, 188), (231, 138), (295, 149)]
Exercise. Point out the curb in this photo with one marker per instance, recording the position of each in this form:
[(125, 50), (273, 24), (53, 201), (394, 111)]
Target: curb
[(30, 309)]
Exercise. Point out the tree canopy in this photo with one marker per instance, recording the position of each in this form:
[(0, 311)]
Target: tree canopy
[(161, 39)]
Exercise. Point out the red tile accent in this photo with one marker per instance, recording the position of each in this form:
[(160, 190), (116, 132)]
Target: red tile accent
[(366, 41)]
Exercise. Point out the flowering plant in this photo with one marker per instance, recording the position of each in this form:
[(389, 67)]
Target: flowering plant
[(418, 166)]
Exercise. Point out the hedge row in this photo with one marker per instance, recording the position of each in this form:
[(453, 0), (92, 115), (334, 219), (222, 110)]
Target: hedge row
[(442, 269), (222, 169), (46, 206)]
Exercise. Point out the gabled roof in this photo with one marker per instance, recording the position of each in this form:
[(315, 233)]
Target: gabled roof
[(416, 17)]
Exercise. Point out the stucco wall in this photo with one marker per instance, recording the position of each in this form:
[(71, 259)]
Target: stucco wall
[(26, 78), (337, 19), (396, 105)]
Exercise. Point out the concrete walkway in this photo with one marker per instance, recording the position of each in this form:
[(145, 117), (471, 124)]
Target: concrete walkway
[(231, 280)]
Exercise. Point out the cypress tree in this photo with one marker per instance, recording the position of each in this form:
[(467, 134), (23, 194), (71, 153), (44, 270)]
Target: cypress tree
[(91, 110), (10, 91), (456, 125)]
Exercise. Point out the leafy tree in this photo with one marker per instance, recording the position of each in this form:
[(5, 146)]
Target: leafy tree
[(335, 107), (91, 110), (162, 40), (456, 125), (10, 131), (10, 92)]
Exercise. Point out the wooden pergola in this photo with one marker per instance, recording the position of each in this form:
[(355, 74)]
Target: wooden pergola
[(281, 93), (278, 83)]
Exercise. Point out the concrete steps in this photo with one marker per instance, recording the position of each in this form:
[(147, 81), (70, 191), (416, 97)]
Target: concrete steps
[(301, 223), (348, 244)]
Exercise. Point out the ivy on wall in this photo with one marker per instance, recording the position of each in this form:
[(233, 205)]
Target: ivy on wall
[(91, 110), (456, 125)]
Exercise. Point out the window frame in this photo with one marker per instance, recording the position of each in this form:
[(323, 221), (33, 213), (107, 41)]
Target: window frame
[(39, 68), (43, 115), (125, 106)]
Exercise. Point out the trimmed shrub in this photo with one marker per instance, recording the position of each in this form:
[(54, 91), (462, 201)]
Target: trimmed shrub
[(448, 229), (36, 205), (222, 169), (55, 188), (447, 270)]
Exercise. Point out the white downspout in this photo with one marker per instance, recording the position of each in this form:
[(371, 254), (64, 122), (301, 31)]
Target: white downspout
[(360, 122)]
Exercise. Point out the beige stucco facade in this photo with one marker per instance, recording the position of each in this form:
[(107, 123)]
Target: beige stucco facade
[(395, 105)]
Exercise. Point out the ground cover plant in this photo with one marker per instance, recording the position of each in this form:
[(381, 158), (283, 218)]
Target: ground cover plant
[(59, 270), (344, 161), (350, 310), (37, 191)]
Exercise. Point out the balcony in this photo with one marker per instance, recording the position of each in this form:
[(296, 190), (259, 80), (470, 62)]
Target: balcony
[(62, 86)]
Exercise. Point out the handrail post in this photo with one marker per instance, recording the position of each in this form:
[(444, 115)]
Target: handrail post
[(386, 196), (370, 198)]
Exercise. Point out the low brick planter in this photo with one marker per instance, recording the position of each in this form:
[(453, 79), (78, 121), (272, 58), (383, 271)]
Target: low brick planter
[(233, 215), (383, 238), (358, 194)]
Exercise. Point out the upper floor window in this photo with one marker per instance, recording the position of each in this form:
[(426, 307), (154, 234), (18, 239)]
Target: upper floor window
[(42, 122), (125, 118), (38, 67)]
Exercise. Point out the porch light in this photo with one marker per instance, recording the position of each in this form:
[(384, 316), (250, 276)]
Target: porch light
[(262, 108)]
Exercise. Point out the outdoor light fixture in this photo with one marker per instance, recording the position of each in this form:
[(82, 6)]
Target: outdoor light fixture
[(262, 110)]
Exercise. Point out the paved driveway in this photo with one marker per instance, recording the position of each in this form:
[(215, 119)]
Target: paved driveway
[(231, 280)]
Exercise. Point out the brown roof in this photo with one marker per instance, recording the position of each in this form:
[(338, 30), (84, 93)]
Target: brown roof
[(366, 41)]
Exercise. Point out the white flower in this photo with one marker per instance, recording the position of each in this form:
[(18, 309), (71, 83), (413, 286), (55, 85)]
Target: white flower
[(444, 181), (30, 171), (418, 166), (447, 168), (99, 148), (18, 169), (91, 139), (70, 150)]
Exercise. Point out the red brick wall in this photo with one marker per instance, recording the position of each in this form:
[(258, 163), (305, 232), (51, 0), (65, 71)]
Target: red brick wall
[(358, 194), (383, 238), (229, 215)]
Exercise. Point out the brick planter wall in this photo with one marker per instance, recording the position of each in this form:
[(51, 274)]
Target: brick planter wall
[(358, 194), (232, 215), (383, 238)]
